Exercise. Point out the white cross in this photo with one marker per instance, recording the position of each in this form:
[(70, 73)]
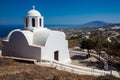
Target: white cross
[(33, 7)]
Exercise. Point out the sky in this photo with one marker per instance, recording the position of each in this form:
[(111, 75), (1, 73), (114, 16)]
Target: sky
[(61, 11)]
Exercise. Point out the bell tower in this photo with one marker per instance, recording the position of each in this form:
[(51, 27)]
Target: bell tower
[(33, 19)]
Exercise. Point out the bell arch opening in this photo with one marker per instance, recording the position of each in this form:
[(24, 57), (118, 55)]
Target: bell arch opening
[(26, 22), (33, 22)]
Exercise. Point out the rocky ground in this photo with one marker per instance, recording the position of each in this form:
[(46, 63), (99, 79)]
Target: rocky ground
[(21, 70)]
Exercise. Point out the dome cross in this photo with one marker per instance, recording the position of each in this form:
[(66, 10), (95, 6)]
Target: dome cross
[(33, 7)]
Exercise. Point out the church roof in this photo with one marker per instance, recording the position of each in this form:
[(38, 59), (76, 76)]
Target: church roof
[(33, 12), (27, 34), (42, 36), (37, 37)]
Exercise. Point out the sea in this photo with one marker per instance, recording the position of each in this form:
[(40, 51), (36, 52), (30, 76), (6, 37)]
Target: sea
[(6, 29)]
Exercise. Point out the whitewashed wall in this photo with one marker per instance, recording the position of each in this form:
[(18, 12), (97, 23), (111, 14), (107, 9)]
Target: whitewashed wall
[(17, 46), (56, 42)]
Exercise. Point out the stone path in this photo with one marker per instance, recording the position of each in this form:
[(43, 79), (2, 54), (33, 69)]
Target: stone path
[(116, 34)]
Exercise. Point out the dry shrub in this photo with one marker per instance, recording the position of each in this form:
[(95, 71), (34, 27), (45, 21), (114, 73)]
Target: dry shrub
[(73, 43)]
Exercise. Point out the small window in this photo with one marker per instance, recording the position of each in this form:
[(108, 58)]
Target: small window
[(40, 21), (33, 22), (26, 22)]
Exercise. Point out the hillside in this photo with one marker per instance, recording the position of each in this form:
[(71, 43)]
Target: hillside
[(95, 24), (20, 70)]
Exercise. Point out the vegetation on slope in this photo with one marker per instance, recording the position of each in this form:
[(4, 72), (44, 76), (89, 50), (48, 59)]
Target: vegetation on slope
[(100, 43)]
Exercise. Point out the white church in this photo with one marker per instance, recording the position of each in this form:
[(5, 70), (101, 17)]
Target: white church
[(36, 42)]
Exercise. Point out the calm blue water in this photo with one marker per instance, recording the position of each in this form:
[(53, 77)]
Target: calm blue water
[(5, 29)]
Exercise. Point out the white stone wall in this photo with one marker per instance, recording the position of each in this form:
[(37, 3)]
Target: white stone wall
[(18, 46), (56, 42)]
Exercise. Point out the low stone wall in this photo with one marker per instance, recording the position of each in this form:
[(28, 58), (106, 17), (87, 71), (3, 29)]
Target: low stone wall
[(79, 69)]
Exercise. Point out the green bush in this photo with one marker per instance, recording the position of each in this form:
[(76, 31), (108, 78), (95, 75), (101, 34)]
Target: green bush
[(113, 49), (73, 37)]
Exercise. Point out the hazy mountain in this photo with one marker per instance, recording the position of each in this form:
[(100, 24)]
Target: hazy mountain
[(95, 24)]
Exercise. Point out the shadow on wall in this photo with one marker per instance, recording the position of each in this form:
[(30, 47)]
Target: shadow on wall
[(17, 46)]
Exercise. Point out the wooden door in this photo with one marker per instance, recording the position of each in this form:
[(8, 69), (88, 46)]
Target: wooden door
[(56, 55)]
